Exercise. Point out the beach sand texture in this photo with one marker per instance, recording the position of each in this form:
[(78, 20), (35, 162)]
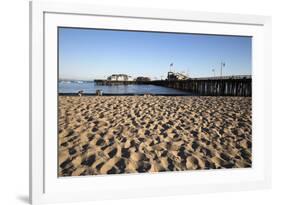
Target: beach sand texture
[(133, 134)]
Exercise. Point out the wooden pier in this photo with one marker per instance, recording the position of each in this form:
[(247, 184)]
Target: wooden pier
[(213, 86)]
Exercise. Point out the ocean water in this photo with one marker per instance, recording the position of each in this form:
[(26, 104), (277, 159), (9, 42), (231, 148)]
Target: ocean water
[(90, 87)]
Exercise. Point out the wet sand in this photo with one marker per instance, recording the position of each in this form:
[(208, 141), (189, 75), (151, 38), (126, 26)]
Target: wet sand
[(130, 134)]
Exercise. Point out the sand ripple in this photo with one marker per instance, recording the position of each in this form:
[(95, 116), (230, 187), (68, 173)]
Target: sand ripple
[(127, 134)]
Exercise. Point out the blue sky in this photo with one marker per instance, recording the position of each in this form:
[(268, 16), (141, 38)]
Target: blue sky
[(88, 54)]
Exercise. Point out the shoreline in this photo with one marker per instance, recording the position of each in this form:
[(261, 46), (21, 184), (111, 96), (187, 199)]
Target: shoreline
[(127, 94), (148, 94)]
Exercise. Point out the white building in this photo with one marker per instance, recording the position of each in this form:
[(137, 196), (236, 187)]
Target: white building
[(120, 77)]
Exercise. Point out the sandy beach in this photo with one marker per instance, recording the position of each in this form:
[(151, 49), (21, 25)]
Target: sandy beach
[(130, 134)]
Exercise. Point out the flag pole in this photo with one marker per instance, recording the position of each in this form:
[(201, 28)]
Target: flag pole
[(222, 65), (221, 69)]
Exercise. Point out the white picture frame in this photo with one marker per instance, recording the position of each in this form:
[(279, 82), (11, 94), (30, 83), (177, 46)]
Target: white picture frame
[(46, 187)]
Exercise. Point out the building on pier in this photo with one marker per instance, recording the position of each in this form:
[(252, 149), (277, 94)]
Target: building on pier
[(143, 79), (120, 77), (176, 76)]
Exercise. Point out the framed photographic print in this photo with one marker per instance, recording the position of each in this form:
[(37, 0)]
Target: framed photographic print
[(129, 102)]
